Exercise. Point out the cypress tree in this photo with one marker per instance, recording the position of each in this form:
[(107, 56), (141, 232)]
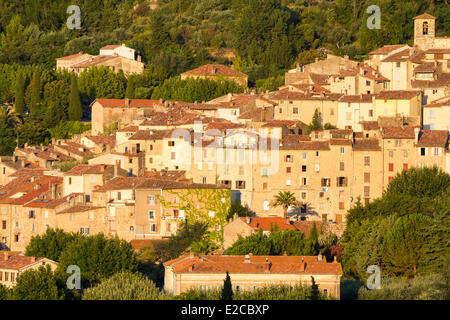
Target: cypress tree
[(35, 94), (129, 93), (53, 115), (75, 110), (19, 102), (227, 290), (315, 293)]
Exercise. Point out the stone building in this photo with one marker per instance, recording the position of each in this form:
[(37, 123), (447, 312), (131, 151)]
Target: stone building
[(251, 272)]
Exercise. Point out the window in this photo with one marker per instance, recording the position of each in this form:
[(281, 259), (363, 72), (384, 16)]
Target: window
[(390, 179), (119, 195), (342, 150), (397, 64), (317, 153), (240, 184), (266, 205), (304, 181), (405, 166), (367, 83), (70, 180), (425, 28), (341, 182), (325, 292), (151, 200), (4, 224), (130, 160), (288, 169), (16, 238), (295, 110), (265, 186), (436, 152), (398, 143), (366, 177), (304, 195), (171, 143), (288, 158), (153, 227), (33, 228), (172, 156), (84, 231), (31, 214), (341, 206), (423, 151), (366, 191), (316, 167), (151, 215), (204, 180), (391, 153), (367, 160), (370, 113), (264, 172), (431, 114), (150, 160), (303, 168), (325, 182), (6, 276), (288, 182), (304, 155), (405, 153), (341, 166), (241, 170), (391, 167)]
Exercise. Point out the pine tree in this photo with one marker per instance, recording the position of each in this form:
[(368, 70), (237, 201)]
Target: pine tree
[(227, 290), (129, 93), (35, 94), (75, 110), (315, 123), (19, 102)]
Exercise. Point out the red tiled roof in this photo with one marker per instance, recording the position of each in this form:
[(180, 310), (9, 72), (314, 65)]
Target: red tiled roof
[(397, 94), (386, 49), (401, 56), (433, 138), (306, 226), (398, 133), (426, 67), (364, 98), (366, 145), (82, 169), (103, 140), (268, 223), (425, 16), (215, 70), (444, 101), (256, 264), (16, 261), (122, 103), (110, 47), (299, 142), (370, 125), (71, 56)]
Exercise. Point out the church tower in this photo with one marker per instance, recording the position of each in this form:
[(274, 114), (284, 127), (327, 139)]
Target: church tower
[(424, 26)]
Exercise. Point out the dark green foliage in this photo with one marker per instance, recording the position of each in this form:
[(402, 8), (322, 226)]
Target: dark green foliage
[(130, 92), (316, 123), (7, 133), (35, 103), (19, 96), (98, 258), (4, 292), (315, 292), (51, 244), (227, 290), (75, 110), (37, 284), (405, 232), (101, 82), (179, 243), (54, 115), (290, 242), (191, 90), (237, 208)]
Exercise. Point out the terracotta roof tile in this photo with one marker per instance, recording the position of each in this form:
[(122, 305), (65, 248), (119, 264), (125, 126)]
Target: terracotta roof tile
[(215, 70), (433, 138), (267, 223), (397, 94)]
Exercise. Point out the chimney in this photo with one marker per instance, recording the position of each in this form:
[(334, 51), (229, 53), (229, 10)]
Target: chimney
[(319, 258), (127, 102), (230, 97), (139, 58), (5, 256), (248, 220), (191, 268), (416, 135), (247, 258), (267, 266), (335, 259)]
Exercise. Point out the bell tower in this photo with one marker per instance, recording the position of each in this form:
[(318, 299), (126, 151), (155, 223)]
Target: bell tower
[(424, 26)]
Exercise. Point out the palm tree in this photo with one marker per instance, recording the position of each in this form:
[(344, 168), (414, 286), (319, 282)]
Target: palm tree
[(285, 199)]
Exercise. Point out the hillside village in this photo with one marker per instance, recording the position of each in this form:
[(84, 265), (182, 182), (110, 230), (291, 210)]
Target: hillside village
[(148, 165)]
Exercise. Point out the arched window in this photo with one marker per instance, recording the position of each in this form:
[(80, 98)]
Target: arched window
[(425, 28)]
